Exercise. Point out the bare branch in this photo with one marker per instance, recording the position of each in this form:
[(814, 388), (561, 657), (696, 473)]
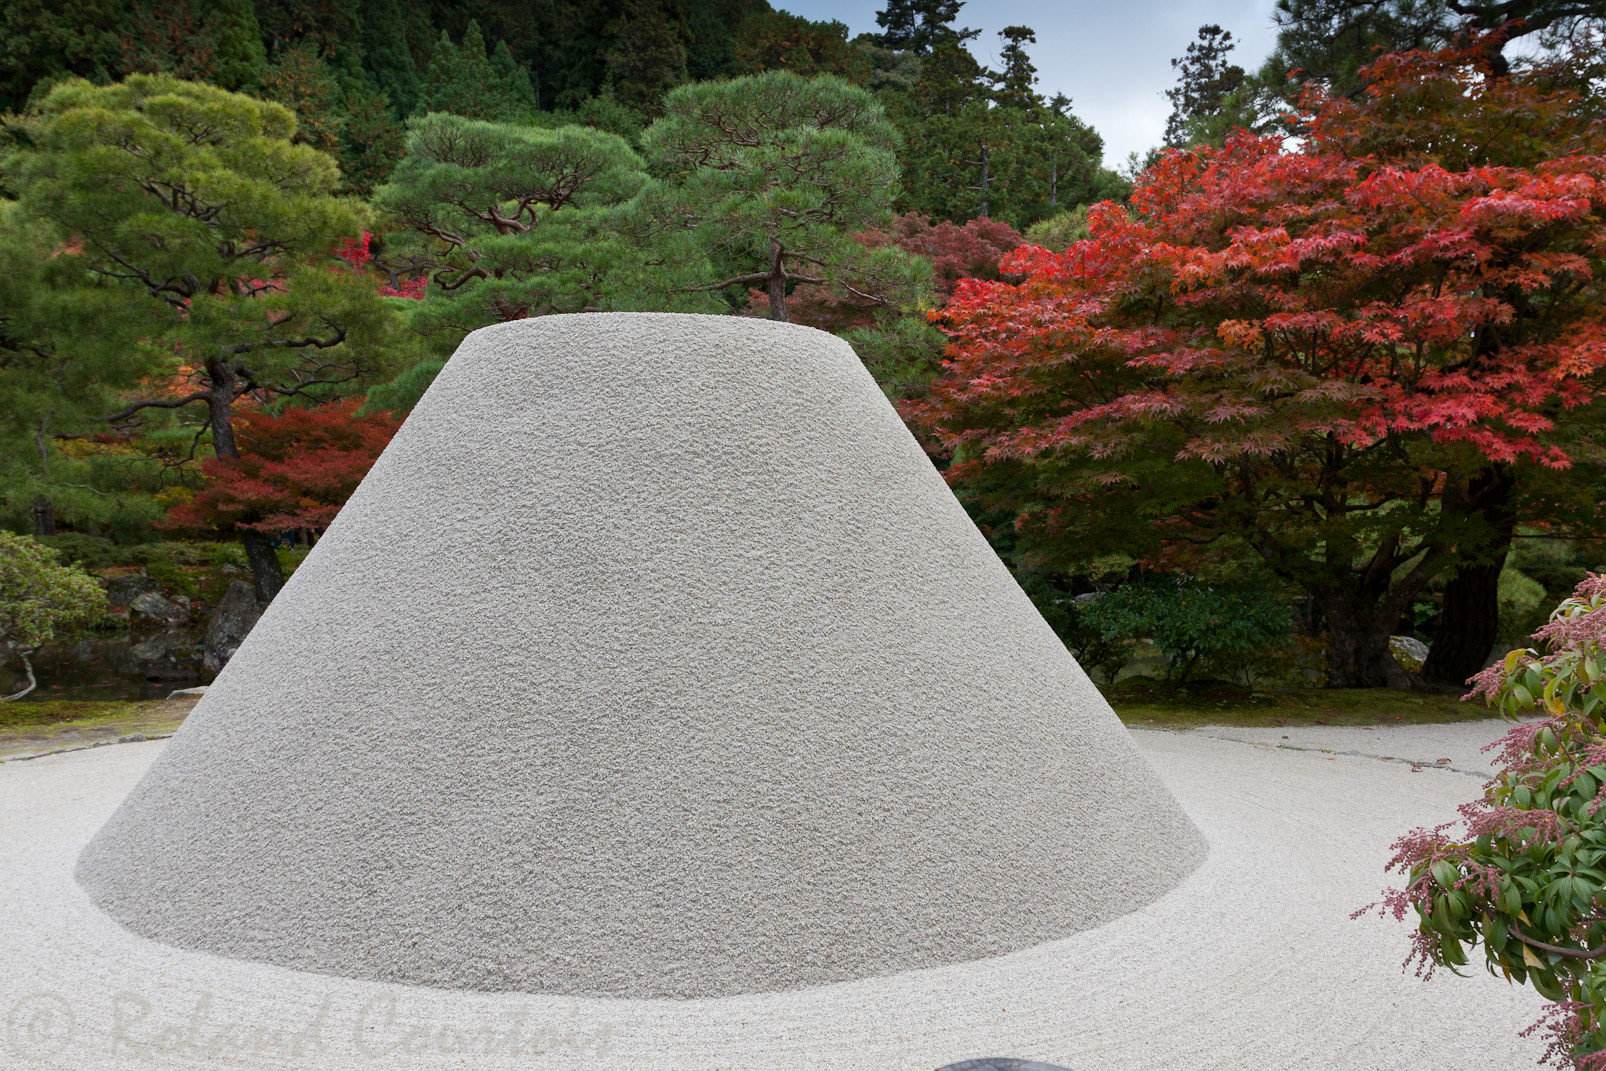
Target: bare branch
[(158, 403)]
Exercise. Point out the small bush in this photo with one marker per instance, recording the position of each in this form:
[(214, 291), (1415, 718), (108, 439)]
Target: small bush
[(87, 551), (1235, 632), (1528, 879)]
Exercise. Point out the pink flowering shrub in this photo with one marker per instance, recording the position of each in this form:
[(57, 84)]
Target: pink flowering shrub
[(1527, 875)]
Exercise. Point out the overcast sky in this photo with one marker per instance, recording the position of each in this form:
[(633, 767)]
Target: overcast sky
[(1112, 59)]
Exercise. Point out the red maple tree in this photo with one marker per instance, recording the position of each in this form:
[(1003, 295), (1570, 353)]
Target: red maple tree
[(1348, 356), (295, 470)]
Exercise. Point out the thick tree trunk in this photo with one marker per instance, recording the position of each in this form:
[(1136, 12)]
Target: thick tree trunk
[(777, 292), (1468, 625), (1470, 620), (1360, 656), (44, 516), (266, 574)]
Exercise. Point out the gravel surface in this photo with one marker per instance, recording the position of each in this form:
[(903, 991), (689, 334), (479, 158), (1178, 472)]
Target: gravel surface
[(1251, 964)]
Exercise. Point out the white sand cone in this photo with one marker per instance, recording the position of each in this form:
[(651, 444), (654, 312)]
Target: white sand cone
[(653, 658)]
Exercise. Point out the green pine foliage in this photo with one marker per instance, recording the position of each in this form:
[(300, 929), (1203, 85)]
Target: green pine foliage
[(763, 179), (464, 80), (509, 222), (41, 599), (217, 41), (648, 57)]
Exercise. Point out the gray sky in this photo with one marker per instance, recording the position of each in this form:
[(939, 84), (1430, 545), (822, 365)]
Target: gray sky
[(1112, 59)]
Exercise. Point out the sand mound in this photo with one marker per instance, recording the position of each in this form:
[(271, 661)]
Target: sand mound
[(652, 659)]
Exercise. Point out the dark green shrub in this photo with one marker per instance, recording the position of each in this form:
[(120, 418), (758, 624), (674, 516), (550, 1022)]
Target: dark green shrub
[(87, 551), (1227, 631), (1097, 654)]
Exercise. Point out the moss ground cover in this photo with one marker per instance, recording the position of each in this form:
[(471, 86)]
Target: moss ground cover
[(1140, 701), (51, 725)]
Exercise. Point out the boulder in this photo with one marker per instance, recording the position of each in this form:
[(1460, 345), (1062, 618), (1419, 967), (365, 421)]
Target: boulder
[(123, 590), (1409, 652), (152, 649), (231, 623), (154, 606)]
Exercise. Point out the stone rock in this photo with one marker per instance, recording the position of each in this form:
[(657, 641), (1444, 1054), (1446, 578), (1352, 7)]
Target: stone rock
[(151, 649), (123, 590), (1087, 597), (1409, 652), (230, 624), (199, 689), (155, 606)]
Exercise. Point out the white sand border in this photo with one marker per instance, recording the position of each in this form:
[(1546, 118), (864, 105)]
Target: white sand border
[(1252, 963)]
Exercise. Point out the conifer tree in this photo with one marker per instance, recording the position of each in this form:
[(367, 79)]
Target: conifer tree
[(44, 38), (205, 225), (1204, 80), (1015, 80), (464, 81), (648, 57), (511, 83), (216, 42), (779, 41), (919, 26), (387, 57), (507, 222), (768, 176)]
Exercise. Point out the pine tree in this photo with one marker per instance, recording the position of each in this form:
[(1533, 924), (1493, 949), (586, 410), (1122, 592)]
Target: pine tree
[(511, 82), (648, 57), (509, 221), (1015, 81), (919, 26), (242, 294), (219, 43), (388, 58), (771, 174), (1204, 80), (461, 80)]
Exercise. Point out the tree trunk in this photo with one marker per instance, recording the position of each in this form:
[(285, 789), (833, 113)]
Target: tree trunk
[(986, 153), (44, 510), (1054, 183), (267, 577), (44, 516), (27, 667), (777, 282), (266, 574), (1360, 656), (1469, 623)]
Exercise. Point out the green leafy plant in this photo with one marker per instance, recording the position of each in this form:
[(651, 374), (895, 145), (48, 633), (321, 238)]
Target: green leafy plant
[(1528, 878), (40, 599), (1221, 630)]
